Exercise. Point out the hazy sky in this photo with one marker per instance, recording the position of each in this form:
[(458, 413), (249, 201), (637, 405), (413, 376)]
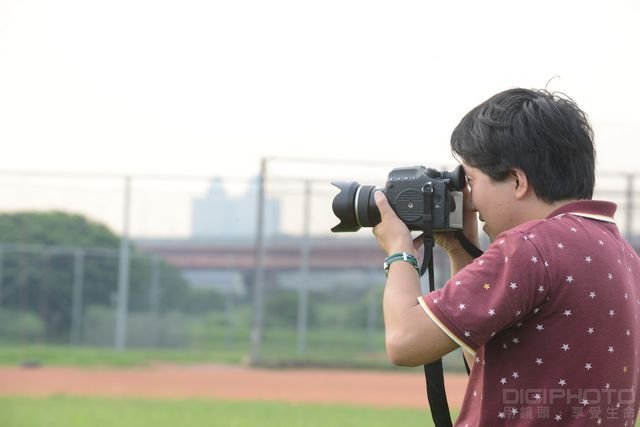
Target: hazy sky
[(208, 87)]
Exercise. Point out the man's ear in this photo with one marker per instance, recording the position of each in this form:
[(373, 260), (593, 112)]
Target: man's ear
[(520, 182)]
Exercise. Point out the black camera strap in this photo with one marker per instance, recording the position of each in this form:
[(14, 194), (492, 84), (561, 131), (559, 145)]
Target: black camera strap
[(467, 245), (434, 373)]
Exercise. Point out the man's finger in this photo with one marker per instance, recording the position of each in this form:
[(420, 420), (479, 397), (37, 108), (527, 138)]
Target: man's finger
[(382, 203)]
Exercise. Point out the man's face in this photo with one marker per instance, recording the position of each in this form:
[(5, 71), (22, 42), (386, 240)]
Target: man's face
[(493, 200)]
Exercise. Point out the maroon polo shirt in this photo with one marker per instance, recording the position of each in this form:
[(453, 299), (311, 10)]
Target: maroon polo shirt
[(550, 312)]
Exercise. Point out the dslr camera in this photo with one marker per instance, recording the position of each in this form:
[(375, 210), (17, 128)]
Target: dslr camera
[(405, 189)]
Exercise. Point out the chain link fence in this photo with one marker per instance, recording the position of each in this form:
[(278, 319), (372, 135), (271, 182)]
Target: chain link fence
[(244, 265)]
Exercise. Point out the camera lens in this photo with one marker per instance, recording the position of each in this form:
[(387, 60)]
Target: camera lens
[(355, 207)]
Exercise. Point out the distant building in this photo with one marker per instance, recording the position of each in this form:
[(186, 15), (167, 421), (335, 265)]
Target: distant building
[(217, 215)]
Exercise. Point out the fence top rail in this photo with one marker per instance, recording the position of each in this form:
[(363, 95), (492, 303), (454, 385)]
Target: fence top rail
[(106, 175)]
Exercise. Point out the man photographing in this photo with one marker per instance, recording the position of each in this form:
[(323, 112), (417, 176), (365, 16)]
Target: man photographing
[(549, 313)]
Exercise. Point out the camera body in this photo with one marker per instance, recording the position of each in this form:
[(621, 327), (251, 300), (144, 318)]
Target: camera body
[(405, 189)]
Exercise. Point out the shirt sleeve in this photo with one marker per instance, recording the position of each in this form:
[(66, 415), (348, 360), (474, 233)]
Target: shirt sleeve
[(496, 291)]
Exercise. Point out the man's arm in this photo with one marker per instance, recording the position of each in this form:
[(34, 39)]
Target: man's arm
[(412, 337)]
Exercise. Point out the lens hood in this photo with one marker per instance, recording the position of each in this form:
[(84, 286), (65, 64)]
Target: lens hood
[(343, 207)]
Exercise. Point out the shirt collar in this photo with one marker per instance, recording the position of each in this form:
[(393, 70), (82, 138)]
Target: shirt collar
[(595, 209)]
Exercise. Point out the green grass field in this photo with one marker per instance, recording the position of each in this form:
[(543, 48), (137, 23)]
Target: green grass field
[(108, 412), (92, 356), (64, 411)]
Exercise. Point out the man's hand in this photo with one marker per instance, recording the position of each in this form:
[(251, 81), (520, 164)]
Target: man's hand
[(458, 256), (391, 233), (448, 241)]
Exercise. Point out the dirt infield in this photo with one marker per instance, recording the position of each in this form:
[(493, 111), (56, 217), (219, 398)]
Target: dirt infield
[(371, 388)]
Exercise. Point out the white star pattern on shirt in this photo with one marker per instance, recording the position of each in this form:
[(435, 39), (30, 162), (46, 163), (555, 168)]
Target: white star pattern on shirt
[(574, 229), (558, 417), (544, 312), (458, 283), (584, 402)]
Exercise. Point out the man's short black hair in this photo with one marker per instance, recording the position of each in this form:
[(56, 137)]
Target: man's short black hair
[(544, 134)]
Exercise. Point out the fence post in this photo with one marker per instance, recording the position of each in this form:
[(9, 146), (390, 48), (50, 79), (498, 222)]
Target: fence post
[(372, 316), (228, 321), (123, 272), (303, 290), (76, 298), (154, 299), (258, 283)]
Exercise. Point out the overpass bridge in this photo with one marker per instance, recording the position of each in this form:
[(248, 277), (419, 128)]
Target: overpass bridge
[(229, 265), (282, 254)]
